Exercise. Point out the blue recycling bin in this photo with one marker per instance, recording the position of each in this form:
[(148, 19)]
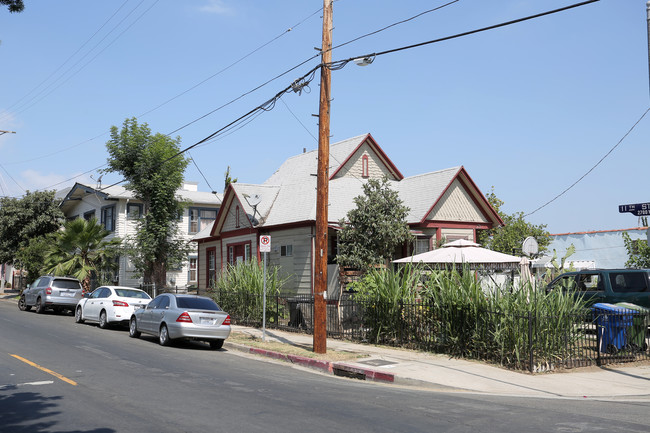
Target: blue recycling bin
[(612, 324)]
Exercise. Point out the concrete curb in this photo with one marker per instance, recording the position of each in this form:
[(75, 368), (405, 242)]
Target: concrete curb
[(329, 367)]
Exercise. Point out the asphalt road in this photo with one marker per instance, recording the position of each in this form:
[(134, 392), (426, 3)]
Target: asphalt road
[(102, 381)]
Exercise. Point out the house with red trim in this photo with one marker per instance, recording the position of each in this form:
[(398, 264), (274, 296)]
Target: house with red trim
[(444, 205)]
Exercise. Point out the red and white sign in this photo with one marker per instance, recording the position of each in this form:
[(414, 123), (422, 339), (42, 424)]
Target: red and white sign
[(265, 244)]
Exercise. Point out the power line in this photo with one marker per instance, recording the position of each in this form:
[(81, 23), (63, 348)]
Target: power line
[(231, 65), (50, 88), (69, 58), (592, 168), (341, 63), (298, 84), (394, 24), (195, 86)]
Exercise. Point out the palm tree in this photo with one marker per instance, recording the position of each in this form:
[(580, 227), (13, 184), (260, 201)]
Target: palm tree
[(80, 249)]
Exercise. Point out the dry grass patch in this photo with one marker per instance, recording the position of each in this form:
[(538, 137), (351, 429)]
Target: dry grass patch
[(293, 349)]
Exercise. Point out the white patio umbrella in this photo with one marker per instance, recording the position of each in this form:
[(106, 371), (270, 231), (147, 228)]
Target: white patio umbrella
[(464, 252), (524, 271)]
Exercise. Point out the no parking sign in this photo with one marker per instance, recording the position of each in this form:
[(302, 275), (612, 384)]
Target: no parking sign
[(265, 244)]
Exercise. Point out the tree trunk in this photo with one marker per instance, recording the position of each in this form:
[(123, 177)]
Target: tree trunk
[(159, 273)]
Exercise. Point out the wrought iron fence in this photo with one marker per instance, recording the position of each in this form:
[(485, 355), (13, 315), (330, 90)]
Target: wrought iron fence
[(153, 291), (521, 341)]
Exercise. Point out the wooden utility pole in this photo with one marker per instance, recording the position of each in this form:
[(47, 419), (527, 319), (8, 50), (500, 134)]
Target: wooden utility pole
[(322, 187)]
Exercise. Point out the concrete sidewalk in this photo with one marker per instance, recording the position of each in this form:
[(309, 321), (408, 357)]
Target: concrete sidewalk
[(440, 372)]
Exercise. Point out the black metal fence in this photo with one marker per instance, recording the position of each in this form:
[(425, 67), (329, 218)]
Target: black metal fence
[(153, 291), (521, 341)]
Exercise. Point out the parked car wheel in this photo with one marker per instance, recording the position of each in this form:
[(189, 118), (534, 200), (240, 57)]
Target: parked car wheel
[(103, 321), (78, 317), (133, 328), (22, 306), (216, 344), (38, 308), (163, 335)]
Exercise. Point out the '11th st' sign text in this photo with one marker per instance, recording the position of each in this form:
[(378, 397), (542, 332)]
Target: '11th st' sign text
[(638, 209)]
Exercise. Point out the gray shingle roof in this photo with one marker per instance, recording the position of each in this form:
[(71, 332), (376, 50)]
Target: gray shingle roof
[(289, 195), (195, 197)]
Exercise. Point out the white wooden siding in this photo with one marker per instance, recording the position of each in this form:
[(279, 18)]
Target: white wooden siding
[(298, 267)]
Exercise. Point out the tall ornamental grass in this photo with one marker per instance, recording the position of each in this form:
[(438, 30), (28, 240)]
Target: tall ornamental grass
[(503, 323), (239, 290), (382, 293), (452, 311)]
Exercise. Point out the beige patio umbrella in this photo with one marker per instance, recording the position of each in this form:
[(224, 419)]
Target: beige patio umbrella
[(463, 252)]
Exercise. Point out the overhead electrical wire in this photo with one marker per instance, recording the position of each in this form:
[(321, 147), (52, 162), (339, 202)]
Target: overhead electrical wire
[(339, 65), (197, 85), (231, 65), (593, 167), (393, 25), (69, 58), (57, 83), (236, 62)]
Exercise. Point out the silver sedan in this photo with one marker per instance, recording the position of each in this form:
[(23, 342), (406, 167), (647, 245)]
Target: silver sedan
[(172, 316)]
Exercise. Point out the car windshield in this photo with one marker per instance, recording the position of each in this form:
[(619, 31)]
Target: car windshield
[(129, 293), (197, 303), (66, 284)]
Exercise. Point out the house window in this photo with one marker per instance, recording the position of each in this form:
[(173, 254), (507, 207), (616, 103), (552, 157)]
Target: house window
[(201, 218), (88, 215), (286, 250), (191, 277), (422, 245), (211, 266), (108, 218), (133, 211), (364, 166)]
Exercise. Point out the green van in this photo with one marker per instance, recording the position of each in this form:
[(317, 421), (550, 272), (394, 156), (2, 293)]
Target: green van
[(607, 285)]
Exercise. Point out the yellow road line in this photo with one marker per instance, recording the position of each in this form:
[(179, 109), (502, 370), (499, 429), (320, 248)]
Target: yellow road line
[(47, 370)]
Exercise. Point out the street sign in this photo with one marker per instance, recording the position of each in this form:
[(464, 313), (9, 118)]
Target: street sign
[(637, 209), (265, 244)]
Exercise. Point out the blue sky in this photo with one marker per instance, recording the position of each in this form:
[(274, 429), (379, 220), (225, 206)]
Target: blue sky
[(528, 109)]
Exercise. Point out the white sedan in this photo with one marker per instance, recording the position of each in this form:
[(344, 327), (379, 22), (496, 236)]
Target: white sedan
[(110, 304)]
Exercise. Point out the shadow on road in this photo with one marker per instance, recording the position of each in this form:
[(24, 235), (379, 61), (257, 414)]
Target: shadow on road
[(27, 412)]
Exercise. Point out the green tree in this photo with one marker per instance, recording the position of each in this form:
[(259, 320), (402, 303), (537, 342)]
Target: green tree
[(22, 219), (227, 179), (81, 250), (13, 5), (153, 167), (375, 228), (638, 252), (512, 234), (31, 257)]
